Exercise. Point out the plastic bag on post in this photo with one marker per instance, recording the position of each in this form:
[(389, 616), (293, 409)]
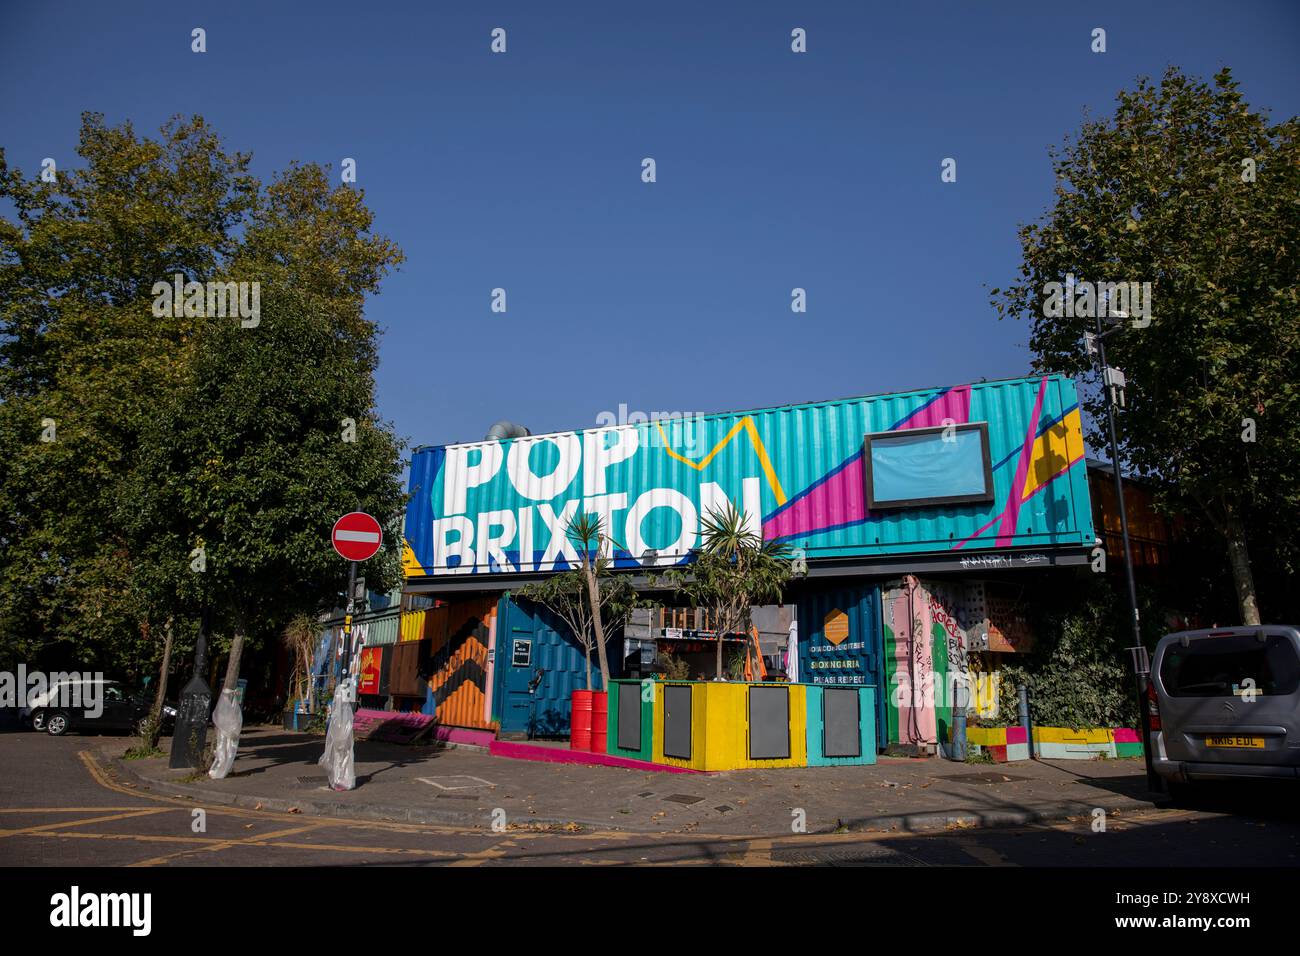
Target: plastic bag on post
[(337, 758), (229, 721)]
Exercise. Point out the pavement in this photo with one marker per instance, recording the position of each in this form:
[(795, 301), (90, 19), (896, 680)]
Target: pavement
[(66, 802), (277, 771)]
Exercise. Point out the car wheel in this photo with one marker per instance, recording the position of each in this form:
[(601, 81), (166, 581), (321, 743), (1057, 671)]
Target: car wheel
[(56, 725), (38, 721)]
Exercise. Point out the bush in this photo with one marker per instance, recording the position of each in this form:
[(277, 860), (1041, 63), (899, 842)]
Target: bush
[(1080, 674)]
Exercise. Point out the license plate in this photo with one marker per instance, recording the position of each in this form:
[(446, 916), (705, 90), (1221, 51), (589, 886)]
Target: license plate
[(1255, 742)]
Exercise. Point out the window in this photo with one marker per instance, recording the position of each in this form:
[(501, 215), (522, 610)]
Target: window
[(1219, 666), (928, 466)]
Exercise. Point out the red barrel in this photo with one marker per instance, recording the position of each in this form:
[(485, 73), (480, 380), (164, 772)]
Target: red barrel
[(599, 718), (580, 720)]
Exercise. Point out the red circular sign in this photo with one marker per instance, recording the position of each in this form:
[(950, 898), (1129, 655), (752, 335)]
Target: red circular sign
[(357, 536)]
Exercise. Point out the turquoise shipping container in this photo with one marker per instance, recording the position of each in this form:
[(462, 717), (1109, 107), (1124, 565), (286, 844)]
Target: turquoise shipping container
[(959, 472)]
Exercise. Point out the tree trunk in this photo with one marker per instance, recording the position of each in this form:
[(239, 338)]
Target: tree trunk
[(587, 657), (1239, 559), (155, 715), (717, 667), (593, 597), (236, 652)]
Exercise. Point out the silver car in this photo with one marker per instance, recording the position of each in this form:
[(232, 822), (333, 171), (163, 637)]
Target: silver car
[(1224, 703)]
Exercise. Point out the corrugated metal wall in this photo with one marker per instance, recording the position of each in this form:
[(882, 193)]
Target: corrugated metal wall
[(860, 651), (382, 630), (562, 662), (458, 657), (798, 469)]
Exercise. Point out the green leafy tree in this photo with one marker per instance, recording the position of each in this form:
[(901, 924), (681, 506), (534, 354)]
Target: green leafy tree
[(567, 597), (171, 437), (82, 363), (247, 461), (1188, 188), (733, 570)]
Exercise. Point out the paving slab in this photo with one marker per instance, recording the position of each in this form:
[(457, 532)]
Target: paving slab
[(277, 770)]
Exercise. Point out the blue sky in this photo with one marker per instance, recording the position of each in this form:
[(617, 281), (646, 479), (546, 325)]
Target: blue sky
[(775, 170)]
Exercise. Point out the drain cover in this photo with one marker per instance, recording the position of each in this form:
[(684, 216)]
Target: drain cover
[(683, 798), (311, 781)]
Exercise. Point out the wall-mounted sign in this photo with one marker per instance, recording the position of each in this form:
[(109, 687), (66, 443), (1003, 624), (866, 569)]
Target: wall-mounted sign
[(836, 626), (371, 666), (522, 653), (834, 649)]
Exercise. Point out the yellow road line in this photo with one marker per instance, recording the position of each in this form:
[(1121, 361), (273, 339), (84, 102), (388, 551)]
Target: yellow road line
[(218, 845), (63, 809), (49, 827)]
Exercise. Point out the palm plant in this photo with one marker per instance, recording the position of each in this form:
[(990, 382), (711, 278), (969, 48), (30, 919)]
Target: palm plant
[(734, 569), (586, 531), (300, 637)]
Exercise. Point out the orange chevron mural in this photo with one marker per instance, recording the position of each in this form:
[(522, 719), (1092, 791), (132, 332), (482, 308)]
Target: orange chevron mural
[(458, 636)]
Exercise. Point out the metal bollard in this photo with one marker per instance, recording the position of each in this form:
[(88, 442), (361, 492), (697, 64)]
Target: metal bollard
[(1022, 692)]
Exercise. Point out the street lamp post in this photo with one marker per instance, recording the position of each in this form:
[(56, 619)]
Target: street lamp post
[(1113, 383)]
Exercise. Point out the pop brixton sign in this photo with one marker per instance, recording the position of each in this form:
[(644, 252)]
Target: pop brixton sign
[(796, 472)]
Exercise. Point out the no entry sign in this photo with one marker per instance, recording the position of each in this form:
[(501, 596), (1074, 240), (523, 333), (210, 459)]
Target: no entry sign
[(357, 536)]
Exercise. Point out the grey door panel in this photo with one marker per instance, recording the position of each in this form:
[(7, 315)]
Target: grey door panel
[(677, 721), (769, 723), (629, 716), (841, 722)]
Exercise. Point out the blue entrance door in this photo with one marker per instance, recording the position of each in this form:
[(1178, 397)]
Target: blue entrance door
[(528, 640)]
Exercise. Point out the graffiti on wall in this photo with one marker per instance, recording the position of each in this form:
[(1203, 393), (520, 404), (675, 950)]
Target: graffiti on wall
[(929, 664)]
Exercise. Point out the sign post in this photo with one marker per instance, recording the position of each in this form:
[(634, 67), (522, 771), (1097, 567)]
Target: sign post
[(356, 537)]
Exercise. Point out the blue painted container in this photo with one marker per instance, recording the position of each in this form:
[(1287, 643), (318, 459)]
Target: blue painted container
[(529, 637), (841, 641), (799, 472), (866, 728)]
